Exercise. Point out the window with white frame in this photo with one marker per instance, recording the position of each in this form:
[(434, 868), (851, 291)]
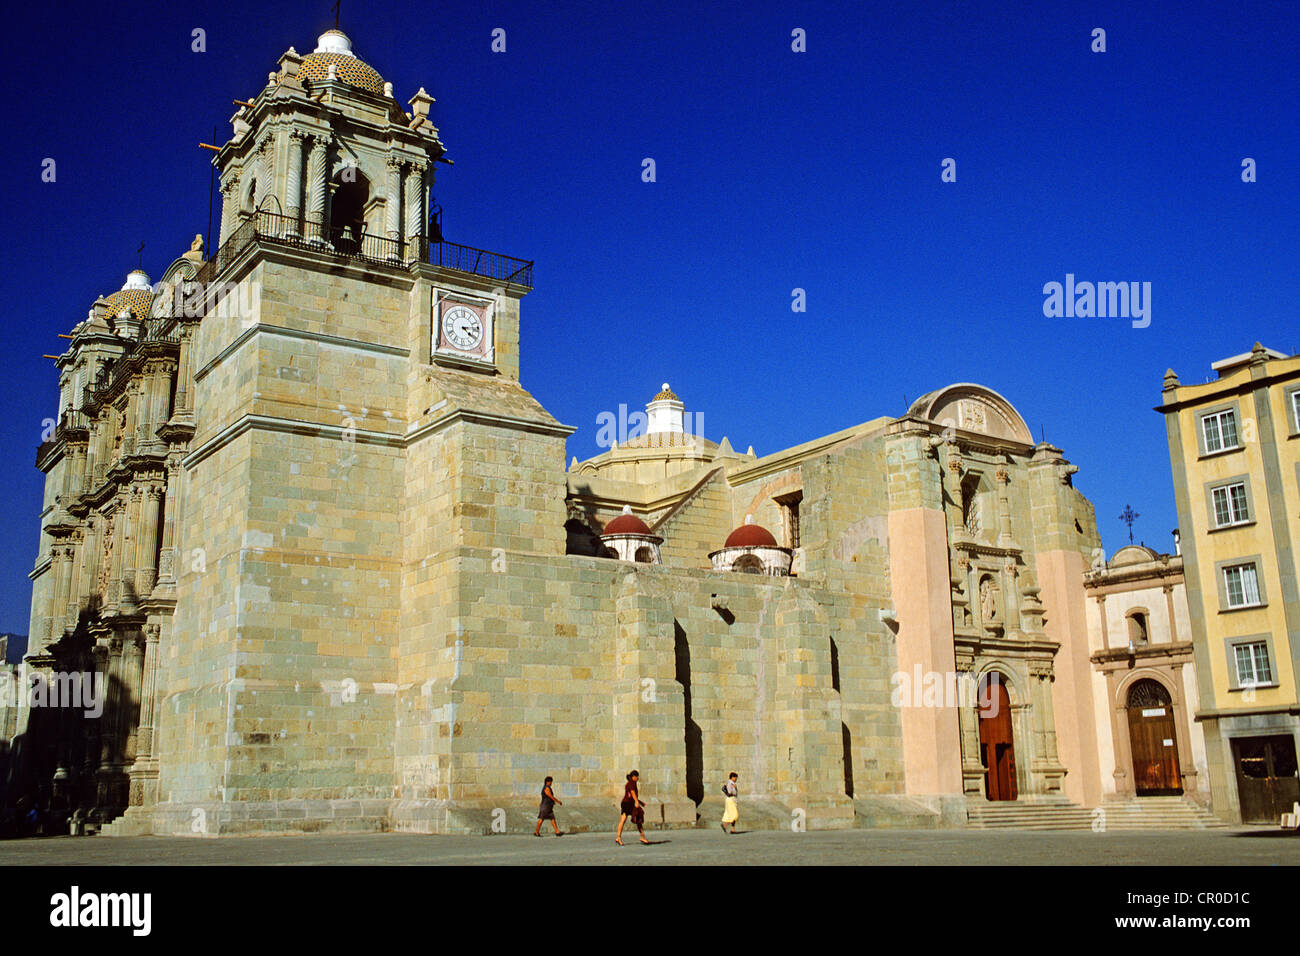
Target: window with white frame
[(1295, 408), (1241, 584), (1253, 667), (1230, 505), (1219, 430)]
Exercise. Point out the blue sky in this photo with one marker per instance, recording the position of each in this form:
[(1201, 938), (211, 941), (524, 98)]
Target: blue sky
[(775, 170)]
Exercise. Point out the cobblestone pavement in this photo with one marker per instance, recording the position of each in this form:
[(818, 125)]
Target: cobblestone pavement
[(679, 847)]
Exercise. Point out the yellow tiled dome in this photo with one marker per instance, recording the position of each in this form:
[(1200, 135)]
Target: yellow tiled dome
[(335, 49), (666, 393), (135, 297)]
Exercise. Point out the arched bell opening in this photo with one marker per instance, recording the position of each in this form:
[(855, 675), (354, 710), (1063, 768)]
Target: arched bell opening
[(351, 193)]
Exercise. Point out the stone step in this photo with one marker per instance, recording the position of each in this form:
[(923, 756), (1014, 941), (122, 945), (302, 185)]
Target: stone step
[(1151, 813), (1163, 813), (1029, 816)]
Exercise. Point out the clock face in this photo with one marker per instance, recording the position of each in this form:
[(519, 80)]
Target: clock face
[(462, 328)]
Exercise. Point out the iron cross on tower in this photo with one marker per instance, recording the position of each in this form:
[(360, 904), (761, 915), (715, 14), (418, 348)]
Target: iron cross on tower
[(1128, 516), (337, 4)]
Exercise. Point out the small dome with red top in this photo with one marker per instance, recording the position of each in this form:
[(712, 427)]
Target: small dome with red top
[(627, 523), (750, 535)]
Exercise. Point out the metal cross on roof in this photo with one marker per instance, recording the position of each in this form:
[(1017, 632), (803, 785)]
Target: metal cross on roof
[(1128, 516)]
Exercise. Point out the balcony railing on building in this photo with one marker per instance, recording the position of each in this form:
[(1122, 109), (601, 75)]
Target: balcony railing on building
[(350, 243)]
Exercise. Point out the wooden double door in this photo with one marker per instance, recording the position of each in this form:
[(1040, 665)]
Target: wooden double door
[(997, 741), (1153, 740), (1267, 785)]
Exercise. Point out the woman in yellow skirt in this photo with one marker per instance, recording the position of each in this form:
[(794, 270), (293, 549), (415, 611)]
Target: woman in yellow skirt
[(732, 812)]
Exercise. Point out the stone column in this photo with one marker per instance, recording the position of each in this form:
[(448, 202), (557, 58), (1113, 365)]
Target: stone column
[(144, 773), (1125, 787), (414, 211), (92, 547), (60, 564), (132, 692), (97, 661), (144, 391), (162, 400), (77, 544), (148, 692), (171, 505), (1004, 506), (83, 469), (111, 653), (293, 182), (145, 403), (108, 796), (104, 428), (1169, 609), (952, 486), (228, 208), (393, 206), (184, 377), (972, 771), (132, 420), (146, 547), (122, 536), (1050, 775), (1011, 598), (92, 455), (317, 225)]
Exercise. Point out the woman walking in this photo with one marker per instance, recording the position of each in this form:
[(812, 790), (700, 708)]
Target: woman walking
[(632, 806), (731, 813), (546, 810)]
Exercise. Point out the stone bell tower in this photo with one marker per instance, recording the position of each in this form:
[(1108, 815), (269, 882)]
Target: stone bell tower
[(357, 414), (325, 153)]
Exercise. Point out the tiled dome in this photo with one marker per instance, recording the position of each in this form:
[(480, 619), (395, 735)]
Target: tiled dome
[(666, 393), (335, 49), (135, 297)]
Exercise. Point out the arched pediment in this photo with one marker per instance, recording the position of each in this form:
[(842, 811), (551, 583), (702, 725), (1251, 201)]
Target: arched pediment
[(973, 408), (1132, 554)]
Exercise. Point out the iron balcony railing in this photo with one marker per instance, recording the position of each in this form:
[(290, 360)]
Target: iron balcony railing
[(480, 262), (279, 229)]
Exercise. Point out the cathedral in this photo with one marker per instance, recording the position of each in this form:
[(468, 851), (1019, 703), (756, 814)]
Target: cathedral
[(325, 552)]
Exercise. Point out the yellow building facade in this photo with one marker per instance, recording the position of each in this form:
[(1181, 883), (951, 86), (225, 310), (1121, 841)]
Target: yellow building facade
[(1234, 445)]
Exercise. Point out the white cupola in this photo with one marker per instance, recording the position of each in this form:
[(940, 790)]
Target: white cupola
[(334, 41), (664, 413)]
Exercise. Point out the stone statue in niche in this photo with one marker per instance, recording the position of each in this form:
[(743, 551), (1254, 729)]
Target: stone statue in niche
[(106, 562), (988, 601)]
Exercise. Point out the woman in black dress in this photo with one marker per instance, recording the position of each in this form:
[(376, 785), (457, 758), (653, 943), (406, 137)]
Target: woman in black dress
[(546, 810), (632, 806)]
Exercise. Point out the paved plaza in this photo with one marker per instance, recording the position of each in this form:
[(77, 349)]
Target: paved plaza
[(701, 847)]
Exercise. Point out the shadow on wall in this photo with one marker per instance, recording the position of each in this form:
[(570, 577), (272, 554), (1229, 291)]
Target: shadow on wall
[(694, 736), (845, 736), (68, 763), (581, 534)]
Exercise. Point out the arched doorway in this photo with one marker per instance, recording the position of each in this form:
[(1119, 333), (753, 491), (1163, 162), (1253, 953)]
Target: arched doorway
[(1153, 740), (997, 742)]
